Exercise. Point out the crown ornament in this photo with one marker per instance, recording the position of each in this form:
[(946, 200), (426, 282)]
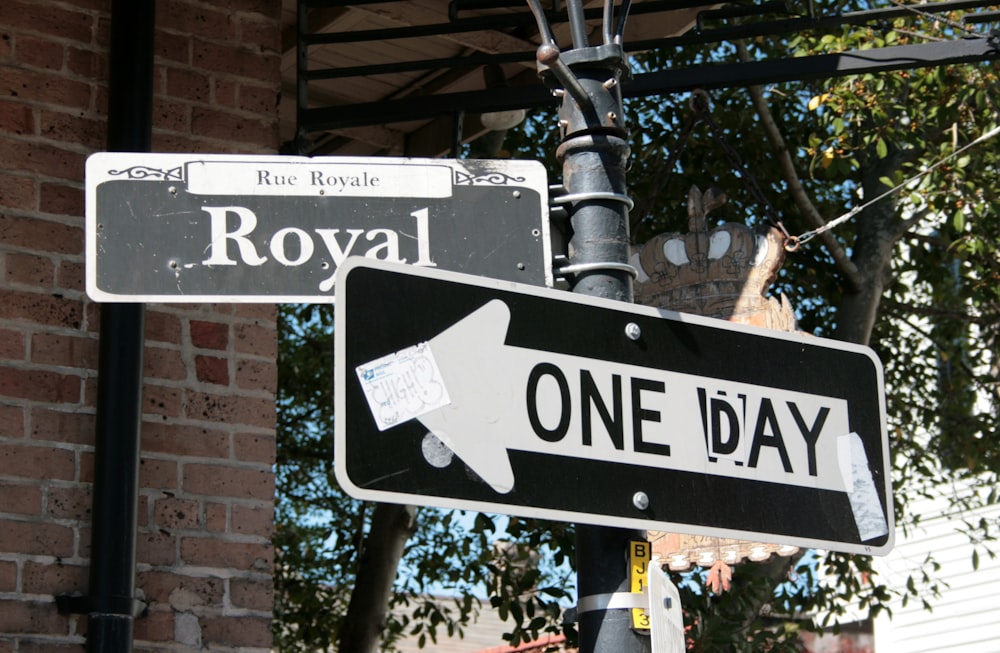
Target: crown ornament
[(723, 273)]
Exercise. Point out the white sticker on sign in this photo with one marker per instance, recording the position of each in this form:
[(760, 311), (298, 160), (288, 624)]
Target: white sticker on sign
[(861, 490), (403, 385)]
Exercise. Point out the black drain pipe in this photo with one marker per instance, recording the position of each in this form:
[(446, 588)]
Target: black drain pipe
[(112, 606)]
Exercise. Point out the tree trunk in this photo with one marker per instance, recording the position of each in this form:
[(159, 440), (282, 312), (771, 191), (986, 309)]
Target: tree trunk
[(391, 526), (878, 231)]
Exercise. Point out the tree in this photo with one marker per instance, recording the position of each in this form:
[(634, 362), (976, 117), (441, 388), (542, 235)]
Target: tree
[(915, 274), (358, 576)]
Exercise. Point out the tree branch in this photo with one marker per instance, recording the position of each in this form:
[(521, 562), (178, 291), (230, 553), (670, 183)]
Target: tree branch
[(843, 262)]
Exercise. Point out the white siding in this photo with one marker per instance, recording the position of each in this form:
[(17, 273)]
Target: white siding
[(966, 616)]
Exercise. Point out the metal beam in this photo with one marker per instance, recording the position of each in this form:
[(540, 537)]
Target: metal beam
[(853, 62)]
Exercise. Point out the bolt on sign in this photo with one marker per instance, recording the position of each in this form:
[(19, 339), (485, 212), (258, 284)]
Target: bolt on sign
[(183, 227), (472, 393)]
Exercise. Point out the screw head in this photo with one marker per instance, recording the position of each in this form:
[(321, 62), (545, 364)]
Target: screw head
[(640, 500), (632, 331)]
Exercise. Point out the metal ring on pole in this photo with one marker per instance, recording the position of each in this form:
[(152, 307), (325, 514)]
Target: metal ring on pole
[(595, 195), (613, 601), (579, 268)]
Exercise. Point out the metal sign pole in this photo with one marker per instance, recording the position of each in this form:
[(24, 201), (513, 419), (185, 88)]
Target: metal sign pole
[(593, 154)]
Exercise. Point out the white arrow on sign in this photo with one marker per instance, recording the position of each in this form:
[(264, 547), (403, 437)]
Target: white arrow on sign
[(483, 398)]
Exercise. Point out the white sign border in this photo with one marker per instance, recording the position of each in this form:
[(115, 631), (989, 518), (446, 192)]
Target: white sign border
[(160, 166), (340, 408)]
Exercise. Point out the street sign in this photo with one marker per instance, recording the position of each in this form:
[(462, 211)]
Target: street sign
[(472, 393), (213, 228)]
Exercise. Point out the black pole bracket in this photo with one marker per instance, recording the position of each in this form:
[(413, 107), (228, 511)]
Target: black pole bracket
[(82, 604)]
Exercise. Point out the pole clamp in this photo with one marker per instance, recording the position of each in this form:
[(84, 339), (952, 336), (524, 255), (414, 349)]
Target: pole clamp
[(612, 601)]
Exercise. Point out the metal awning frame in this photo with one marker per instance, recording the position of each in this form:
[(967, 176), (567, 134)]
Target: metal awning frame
[(816, 67)]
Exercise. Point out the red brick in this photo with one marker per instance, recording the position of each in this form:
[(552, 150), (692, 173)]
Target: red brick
[(39, 385), (40, 53), (163, 327), (41, 308), (236, 631), (20, 498), (224, 125), (70, 276), (213, 552), (226, 481), (162, 400), (187, 84), (211, 369), (216, 517), (264, 8), (209, 335), (171, 115), (170, 46), (35, 538), (159, 474), (83, 62), (39, 462), (173, 513), (47, 646), (53, 578), (11, 345), (54, 20), (16, 118), (16, 192), (172, 142), (197, 20), (257, 375), (41, 235), (238, 62), (86, 474), (11, 421), (259, 31), (8, 577), (254, 448), (249, 411), (156, 548), (265, 314), (179, 440), (255, 339), (73, 128), (41, 157), (30, 270), (70, 502), (68, 351), (258, 99), (253, 520), (159, 585), (155, 626), (62, 426), (31, 617), (163, 363), (251, 594), (61, 199), (224, 92)]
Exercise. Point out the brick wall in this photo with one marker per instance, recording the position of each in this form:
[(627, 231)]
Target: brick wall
[(205, 507)]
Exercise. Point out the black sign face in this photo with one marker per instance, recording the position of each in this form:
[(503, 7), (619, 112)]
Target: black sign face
[(180, 227), (464, 392)]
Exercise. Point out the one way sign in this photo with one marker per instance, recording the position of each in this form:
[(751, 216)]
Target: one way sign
[(464, 392)]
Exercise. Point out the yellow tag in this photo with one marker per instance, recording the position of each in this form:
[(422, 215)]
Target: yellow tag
[(639, 556)]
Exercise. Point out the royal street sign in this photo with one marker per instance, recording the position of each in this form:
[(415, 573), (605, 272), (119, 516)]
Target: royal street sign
[(192, 228), (471, 393)]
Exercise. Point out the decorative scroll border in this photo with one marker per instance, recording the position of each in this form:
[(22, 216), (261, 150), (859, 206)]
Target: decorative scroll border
[(146, 172), (493, 177)]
